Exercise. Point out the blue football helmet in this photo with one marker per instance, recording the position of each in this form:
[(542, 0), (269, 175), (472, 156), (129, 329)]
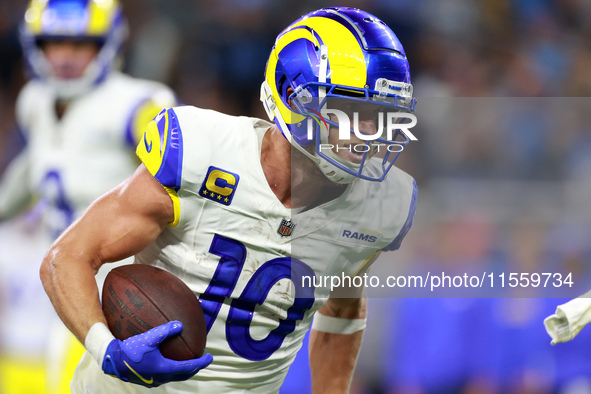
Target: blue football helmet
[(337, 55), (101, 21)]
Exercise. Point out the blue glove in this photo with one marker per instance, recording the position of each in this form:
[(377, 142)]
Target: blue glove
[(138, 359)]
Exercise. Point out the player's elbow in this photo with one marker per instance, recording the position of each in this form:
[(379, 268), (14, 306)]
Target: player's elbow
[(47, 268), (63, 263), (52, 267)]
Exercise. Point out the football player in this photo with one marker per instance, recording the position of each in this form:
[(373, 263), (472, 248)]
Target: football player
[(248, 212), (80, 114), (82, 118)]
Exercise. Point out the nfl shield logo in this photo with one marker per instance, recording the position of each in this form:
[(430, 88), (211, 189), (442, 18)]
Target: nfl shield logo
[(286, 228)]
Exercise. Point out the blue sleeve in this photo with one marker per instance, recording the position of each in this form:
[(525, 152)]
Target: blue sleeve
[(161, 149)]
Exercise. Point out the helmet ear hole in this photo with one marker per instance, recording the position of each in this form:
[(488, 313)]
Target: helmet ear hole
[(288, 92), (281, 86)]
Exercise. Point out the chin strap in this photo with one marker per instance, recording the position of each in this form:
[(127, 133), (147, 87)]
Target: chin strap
[(267, 100), (334, 173)]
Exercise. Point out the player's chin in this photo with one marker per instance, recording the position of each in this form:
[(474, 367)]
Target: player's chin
[(68, 73)]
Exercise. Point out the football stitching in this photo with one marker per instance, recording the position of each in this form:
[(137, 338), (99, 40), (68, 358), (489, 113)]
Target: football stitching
[(157, 308)]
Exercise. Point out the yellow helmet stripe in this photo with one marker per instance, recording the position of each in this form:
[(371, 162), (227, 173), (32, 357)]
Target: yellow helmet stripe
[(100, 15), (345, 57), (33, 15), (287, 38)]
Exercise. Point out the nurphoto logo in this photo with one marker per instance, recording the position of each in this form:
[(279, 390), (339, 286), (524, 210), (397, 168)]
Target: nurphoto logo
[(394, 121)]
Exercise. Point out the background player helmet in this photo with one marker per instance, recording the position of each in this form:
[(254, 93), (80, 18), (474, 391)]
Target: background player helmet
[(336, 53), (83, 20)]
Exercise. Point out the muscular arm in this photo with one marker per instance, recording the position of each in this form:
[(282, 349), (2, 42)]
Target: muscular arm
[(117, 225), (333, 356)]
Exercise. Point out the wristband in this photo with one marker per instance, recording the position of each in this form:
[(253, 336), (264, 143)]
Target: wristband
[(97, 340), (337, 325)]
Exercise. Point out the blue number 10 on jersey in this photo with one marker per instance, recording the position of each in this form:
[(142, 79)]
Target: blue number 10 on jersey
[(232, 256)]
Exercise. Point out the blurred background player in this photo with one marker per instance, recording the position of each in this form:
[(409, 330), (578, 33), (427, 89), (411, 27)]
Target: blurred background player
[(81, 118)]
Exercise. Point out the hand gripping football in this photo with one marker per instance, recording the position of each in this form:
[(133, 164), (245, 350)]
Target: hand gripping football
[(138, 297)]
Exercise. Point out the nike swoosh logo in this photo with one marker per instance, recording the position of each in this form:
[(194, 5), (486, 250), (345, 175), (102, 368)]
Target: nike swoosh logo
[(148, 147), (138, 375)]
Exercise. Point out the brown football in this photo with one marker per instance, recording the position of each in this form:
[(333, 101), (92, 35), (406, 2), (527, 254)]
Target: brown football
[(139, 297)]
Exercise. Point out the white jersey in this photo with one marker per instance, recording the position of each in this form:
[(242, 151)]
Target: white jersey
[(244, 254), (71, 161)]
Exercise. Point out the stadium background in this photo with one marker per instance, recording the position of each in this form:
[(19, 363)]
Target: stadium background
[(497, 192)]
